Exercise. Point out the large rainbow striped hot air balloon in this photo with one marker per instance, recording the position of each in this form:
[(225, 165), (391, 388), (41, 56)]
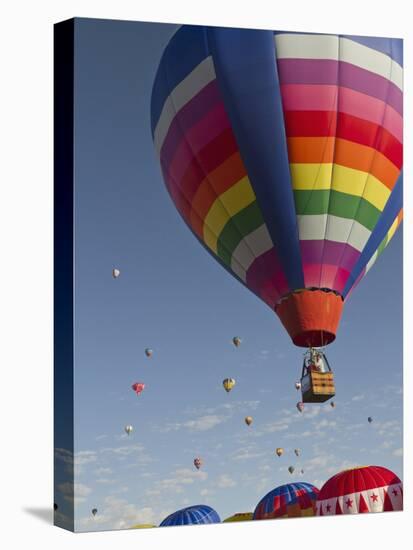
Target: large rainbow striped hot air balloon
[(283, 154)]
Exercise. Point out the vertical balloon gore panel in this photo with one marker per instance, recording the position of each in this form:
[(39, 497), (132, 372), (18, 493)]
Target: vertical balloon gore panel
[(311, 317)]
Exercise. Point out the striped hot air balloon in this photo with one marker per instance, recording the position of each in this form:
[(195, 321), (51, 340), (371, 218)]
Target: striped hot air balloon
[(283, 154), (288, 501), (192, 515), (360, 490)]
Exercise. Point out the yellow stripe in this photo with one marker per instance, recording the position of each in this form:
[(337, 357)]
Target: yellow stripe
[(235, 199), (309, 176), (313, 177), (392, 230), (360, 184)]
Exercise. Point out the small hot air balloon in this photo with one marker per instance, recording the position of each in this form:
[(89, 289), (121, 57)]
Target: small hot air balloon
[(55, 506), (94, 511), (332, 404), (138, 387), (298, 385), (197, 462), (228, 384), (291, 469), (369, 420), (279, 451), (148, 352), (302, 471), (248, 420), (297, 452), (300, 406), (115, 273), (236, 341), (128, 429)]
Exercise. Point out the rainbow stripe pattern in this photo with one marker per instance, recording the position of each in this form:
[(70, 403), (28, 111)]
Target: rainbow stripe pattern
[(283, 152)]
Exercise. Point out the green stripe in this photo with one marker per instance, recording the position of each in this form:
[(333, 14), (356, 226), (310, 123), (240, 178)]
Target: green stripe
[(236, 228), (382, 245), (338, 204)]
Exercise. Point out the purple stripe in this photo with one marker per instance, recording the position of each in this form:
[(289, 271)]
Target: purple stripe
[(265, 276), (328, 252), (189, 115), (325, 71)]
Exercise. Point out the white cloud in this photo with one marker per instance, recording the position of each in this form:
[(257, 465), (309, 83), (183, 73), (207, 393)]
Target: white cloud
[(358, 397), (201, 424), (224, 481), (118, 513), (74, 492)]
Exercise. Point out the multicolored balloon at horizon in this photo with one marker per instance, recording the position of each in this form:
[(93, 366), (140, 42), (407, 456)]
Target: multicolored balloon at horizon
[(288, 501), (283, 154), (361, 490)]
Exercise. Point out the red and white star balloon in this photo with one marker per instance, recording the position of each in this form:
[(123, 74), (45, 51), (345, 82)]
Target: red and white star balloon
[(360, 490)]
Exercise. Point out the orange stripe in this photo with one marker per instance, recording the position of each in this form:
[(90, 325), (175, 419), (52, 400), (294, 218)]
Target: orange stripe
[(313, 149), (344, 152), (219, 180)]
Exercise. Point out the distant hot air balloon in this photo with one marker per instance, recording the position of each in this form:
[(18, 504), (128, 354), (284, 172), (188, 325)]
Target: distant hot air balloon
[(94, 511), (298, 385), (369, 420), (297, 452), (138, 387), (332, 404), (228, 384), (148, 352), (300, 406), (279, 451), (282, 152), (288, 501), (248, 420), (193, 515), (55, 506), (302, 471), (197, 462), (291, 469), (115, 273), (128, 429), (240, 516), (236, 341), (360, 490)]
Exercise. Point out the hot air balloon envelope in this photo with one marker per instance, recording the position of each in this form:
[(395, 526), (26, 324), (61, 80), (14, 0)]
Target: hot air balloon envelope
[(148, 352), (248, 420), (197, 463), (288, 501), (279, 451), (246, 516), (193, 515), (138, 387), (228, 384), (283, 154), (360, 490)]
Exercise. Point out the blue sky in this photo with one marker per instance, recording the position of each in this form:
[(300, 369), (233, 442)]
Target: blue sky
[(171, 296)]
